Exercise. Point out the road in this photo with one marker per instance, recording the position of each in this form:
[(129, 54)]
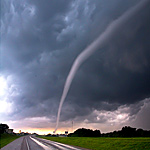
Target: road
[(34, 143)]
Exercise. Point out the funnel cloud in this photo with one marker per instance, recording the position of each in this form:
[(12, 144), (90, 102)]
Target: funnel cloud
[(97, 44)]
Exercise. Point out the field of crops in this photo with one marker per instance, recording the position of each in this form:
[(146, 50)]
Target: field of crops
[(105, 143), (6, 139)]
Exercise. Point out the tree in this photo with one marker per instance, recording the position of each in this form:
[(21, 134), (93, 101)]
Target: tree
[(3, 127), (128, 131), (82, 132)]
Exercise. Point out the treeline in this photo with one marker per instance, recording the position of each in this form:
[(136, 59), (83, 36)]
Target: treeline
[(126, 131), (85, 133)]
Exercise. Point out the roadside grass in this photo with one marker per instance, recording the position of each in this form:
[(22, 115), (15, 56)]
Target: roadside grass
[(6, 139), (104, 143)]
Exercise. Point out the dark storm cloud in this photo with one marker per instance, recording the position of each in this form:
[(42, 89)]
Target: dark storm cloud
[(40, 41)]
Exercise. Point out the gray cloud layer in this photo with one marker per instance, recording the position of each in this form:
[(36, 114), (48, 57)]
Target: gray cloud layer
[(40, 41)]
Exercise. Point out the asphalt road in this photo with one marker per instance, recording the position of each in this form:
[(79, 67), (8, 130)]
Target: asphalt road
[(34, 143)]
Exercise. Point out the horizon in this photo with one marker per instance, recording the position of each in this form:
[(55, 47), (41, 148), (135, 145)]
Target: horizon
[(51, 131)]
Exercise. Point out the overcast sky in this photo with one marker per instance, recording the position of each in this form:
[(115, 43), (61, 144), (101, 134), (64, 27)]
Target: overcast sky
[(40, 41)]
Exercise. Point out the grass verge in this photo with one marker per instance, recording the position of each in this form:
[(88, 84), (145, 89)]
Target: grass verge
[(105, 143), (6, 139)]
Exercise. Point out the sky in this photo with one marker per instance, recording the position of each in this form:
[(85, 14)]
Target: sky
[(40, 40)]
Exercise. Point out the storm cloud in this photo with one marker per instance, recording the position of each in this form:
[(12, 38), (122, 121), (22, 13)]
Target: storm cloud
[(39, 43)]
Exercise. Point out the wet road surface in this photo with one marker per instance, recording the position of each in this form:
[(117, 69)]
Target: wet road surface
[(34, 143)]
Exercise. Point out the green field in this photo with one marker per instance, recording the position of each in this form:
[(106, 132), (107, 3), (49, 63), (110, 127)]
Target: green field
[(6, 139), (105, 143)]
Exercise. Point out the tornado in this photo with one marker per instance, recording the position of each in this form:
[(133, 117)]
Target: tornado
[(103, 38)]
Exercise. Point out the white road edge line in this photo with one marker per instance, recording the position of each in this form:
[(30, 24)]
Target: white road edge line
[(68, 146), (39, 143), (61, 144), (27, 144)]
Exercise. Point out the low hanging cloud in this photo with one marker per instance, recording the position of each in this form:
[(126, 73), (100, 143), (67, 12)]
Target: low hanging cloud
[(39, 43)]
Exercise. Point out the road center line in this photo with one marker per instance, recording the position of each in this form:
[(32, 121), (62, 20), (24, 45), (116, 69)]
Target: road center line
[(27, 144)]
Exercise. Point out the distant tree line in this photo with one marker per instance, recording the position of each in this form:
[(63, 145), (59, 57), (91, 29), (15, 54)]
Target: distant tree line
[(126, 131), (52, 135), (85, 133)]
